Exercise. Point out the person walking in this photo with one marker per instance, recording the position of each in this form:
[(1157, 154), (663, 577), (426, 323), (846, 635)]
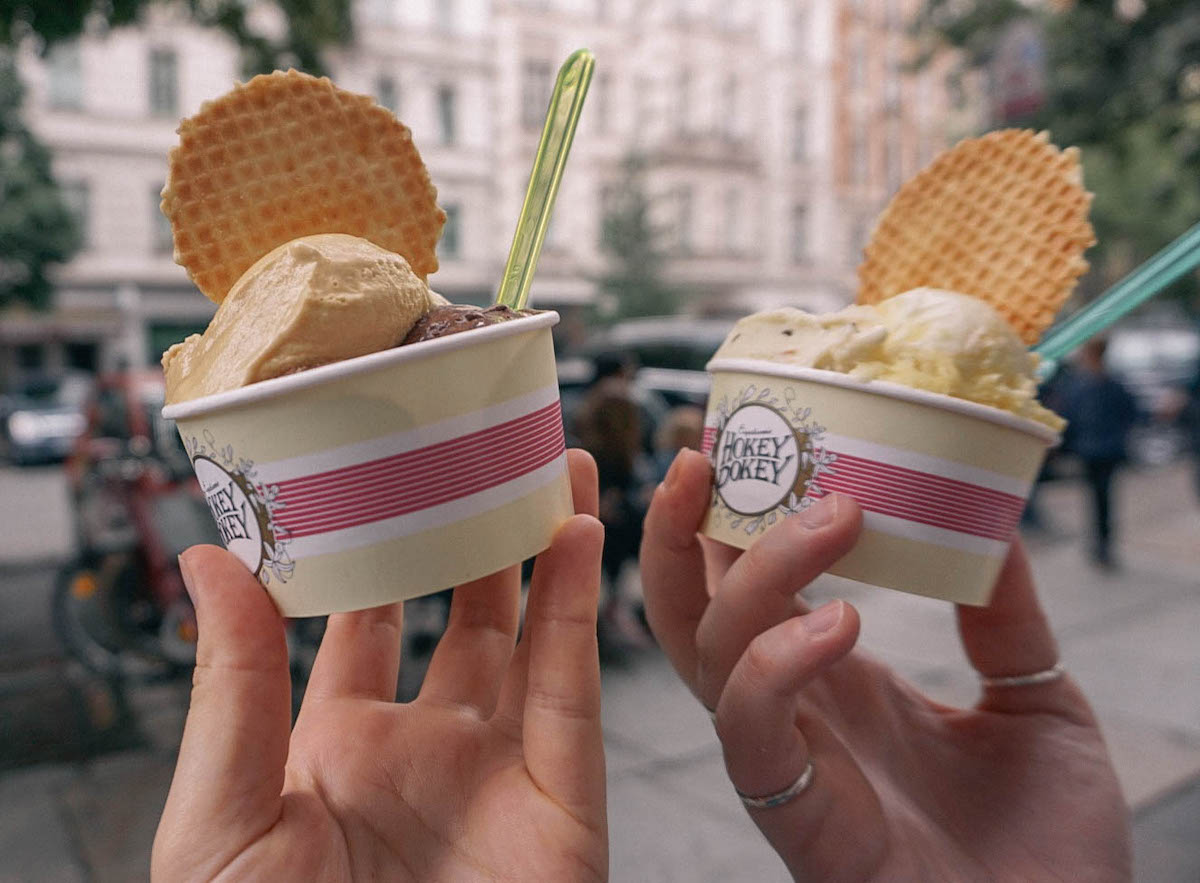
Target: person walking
[(1100, 413), (609, 426)]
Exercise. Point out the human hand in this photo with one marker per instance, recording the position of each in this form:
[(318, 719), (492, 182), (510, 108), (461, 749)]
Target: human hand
[(495, 771), (1020, 787)]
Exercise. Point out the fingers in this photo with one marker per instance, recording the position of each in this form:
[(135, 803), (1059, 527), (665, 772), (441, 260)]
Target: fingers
[(359, 655), (718, 558), (468, 666), (229, 775), (672, 560), (1012, 637), (768, 745), (564, 749), (585, 490), (759, 590), (472, 664)]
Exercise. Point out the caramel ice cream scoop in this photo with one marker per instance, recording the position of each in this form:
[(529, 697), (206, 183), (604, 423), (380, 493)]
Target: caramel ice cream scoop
[(311, 301)]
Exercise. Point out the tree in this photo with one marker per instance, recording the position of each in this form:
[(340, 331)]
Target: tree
[(311, 25), (36, 228), (1122, 81), (633, 244)]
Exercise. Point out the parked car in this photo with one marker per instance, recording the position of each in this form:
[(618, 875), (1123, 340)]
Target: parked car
[(1155, 362), (41, 419), (679, 343)]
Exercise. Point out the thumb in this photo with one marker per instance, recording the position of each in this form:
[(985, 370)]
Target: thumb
[(229, 776)]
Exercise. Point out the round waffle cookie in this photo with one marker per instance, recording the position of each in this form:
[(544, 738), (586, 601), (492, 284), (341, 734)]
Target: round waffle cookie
[(288, 155), (1003, 217)]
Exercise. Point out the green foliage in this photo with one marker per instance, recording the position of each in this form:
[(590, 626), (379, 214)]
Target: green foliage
[(634, 246), (311, 26), (36, 229), (1126, 90)]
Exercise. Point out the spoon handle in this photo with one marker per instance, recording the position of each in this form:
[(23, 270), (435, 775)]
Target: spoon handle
[(566, 103)]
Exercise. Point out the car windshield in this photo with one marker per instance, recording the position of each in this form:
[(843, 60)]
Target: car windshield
[(1169, 351)]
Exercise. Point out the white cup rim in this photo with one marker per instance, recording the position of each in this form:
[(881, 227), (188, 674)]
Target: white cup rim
[(891, 390), (277, 386)]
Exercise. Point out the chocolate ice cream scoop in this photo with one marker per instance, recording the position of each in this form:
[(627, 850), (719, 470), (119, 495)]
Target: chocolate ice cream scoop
[(453, 318)]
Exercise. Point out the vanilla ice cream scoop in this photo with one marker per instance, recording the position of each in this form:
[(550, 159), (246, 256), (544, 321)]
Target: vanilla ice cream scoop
[(939, 341), (314, 300)]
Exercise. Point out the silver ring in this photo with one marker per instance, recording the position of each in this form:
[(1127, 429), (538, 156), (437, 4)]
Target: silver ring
[(1038, 677), (792, 791)]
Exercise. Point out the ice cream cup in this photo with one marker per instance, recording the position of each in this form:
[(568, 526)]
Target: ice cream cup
[(941, 481), (390, 475)]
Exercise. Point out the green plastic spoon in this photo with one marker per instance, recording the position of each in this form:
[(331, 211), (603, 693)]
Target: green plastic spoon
[(566, 102)]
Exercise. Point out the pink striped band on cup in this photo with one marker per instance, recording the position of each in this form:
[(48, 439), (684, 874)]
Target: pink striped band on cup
[(917, 496), (350, 497)]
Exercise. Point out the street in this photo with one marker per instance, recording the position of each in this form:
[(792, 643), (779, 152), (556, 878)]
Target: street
[(82, 777)]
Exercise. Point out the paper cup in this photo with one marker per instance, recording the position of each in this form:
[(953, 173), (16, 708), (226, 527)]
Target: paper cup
[(390, 475), (941, 481)]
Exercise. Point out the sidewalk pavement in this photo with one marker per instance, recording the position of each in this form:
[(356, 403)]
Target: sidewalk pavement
[(1129, 637), (39, 525)]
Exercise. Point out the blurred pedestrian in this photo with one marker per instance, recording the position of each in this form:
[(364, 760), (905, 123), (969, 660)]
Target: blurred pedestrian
[(609, 427), (1100, 414), (682, 427), (1183, 407)]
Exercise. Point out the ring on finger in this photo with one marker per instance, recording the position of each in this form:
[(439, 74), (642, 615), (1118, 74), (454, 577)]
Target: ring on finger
[(779, 798), (1044, 676)]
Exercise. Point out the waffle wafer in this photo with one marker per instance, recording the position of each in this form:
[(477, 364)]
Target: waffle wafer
[(288, 155), (1002, 217)]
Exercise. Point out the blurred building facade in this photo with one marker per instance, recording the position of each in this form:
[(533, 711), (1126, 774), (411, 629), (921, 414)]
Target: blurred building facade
[(772, 133)]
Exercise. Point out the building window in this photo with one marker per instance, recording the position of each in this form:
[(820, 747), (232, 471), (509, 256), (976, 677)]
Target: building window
[(451, 241), (31, 356), (643, 97), (386, 93), (445, 10), (164, 82), (683, 101), (82, 355), (859, 156), (800, 234), (381, 12), (609, 200), (601, 87), (161, 240), (801, 25), (729, 104), (555, 240), (537, 78), (65, 77), (732, 221), (683, 219), (447, 114), (76, 195), (893, 161), (860, 232), (858, 63), (800, 134)]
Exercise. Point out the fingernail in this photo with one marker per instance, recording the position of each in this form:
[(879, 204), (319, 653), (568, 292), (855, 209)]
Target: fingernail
[(820, 513), (824, 618), (187, 578)]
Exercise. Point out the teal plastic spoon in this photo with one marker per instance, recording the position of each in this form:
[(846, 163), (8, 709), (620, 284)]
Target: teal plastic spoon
[(1178, 258), (562, 118)]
